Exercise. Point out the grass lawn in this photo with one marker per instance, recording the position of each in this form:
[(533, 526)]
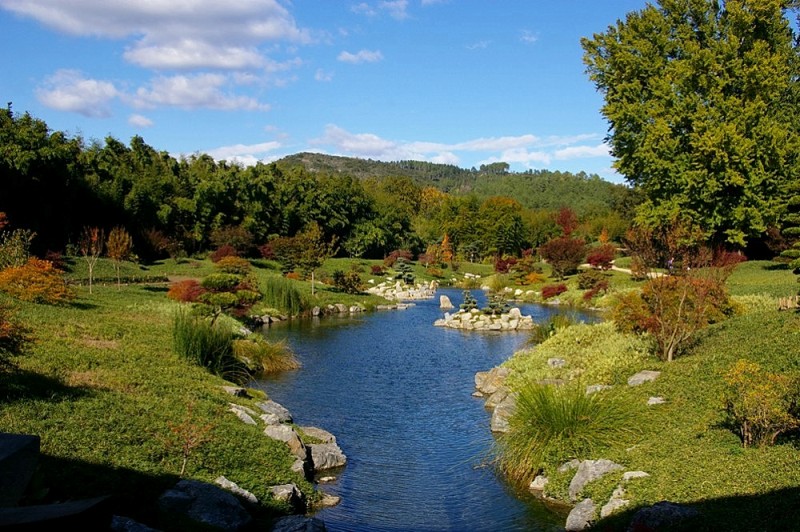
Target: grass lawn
[(115, 407), (690, 453)]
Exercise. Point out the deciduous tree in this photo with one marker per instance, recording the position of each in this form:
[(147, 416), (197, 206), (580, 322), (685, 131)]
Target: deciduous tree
[(119, 248)]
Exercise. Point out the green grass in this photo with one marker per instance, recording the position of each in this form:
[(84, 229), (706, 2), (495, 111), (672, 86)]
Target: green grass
[(281, 293), (691, 455), (113, 405)]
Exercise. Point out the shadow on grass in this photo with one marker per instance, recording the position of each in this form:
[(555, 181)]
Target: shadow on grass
[(20, 385), (151, 288), (82, 305), (776, 266), (774, 511)]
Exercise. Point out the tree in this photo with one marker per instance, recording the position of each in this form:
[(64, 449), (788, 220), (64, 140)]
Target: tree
[(702, 101), (313, 249), (119, 247), (564, 254), (91, 247)]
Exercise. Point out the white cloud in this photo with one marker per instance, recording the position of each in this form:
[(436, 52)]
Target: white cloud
[(583, 152), (364, 8), (397, 9), (480, 45), (362, 56), (139, 121), (69, 90), (321, 75), (526, 150), (175, 34), (246, 154), (193, 92), (528, 37)]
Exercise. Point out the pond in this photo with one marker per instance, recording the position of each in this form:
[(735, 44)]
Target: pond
[(396, 392)]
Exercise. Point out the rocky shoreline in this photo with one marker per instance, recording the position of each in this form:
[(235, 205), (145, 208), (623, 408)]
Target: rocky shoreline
[(475, 320), (501, 401)]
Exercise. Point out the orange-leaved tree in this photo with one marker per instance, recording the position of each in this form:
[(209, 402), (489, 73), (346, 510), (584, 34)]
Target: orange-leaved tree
[(119, 248)]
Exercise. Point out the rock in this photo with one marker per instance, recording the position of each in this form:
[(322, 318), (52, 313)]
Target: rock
[(488, 382), (445, 303), (502, 413), (630, 475), (271, 407), (612, 506), (192, 505), (581, 517), (661, 515), (234, 488), (291, 495), (538, 483), (497, 397), (298, 523), (594, 388), (556, 362), (126, 524), (588, 471), (340, 308), (326, 456), (299, 466), (322, 435), (316, 311), (515, 313), (270, 419), (567, 466), (328, 500), (656, 401), (643, 376), (287, 434), (440, 323), (242, 413), (236, 391), (326, 480), (19, 455)]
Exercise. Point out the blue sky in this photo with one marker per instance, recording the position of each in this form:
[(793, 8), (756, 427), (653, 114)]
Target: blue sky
[(464, 82)]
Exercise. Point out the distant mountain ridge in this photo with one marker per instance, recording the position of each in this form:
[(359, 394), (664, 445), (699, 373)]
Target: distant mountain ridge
[(535, 189)]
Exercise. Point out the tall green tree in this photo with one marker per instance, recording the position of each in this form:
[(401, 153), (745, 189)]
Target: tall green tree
[(702, 101)]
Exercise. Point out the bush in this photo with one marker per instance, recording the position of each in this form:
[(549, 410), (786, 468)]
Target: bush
[(533, 278), (15, 247), (553, 424), (282, 294), (36, 281), (589, 279), (220, 282), (376, 269), (187, 291), (563, 254), (601, 257), (549, 328), (761, 406), (233, 264), (392, 257), (349, 283), (552, 290), (14, 337), (504, 264), (222, 252), (233, 236)]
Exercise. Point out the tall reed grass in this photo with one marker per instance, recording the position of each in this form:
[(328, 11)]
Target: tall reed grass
[(262, 356), (553, 424), (207, 345), (281, 293)]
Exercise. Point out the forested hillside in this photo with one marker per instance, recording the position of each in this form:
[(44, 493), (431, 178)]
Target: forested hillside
[(55, 185)]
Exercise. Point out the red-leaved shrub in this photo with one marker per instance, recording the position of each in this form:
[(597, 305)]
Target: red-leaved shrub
[(188, 291), (552, 290), (601, 257), (223, 251)]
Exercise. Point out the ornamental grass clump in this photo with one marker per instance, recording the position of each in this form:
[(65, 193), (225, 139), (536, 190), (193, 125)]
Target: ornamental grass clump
[(261, 356), (207, 345), (553, 424), (282, 294)]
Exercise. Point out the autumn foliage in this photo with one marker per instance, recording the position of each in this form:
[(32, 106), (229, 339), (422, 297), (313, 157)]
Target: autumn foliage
[(36, 281), (552, 290), (187, 291)]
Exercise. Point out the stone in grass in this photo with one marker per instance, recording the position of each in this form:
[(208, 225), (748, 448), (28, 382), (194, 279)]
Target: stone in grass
[(630, 475), (271, 407), (556, 362), (581, 517), (193, 505), (662, 515), (320, 434), (588, 471), (242, 413), (656, 401), (234, 488), (291, 495), (538, 483), (642, 377), (594, 388), (236, 391)]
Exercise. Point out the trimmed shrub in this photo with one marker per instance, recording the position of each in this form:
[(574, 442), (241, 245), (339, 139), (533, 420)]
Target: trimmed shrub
[(392, 257), (761, 406), (504, 264), (220, 282), (234, 265), (601, 257), (563, 254), (376, 269), (589, 279), (36, 281), (552, 290), (187, 291)]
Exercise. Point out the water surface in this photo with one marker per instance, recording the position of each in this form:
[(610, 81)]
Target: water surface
[(396, 392)]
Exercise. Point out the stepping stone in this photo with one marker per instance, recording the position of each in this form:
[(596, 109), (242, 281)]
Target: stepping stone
[(642, 377)]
